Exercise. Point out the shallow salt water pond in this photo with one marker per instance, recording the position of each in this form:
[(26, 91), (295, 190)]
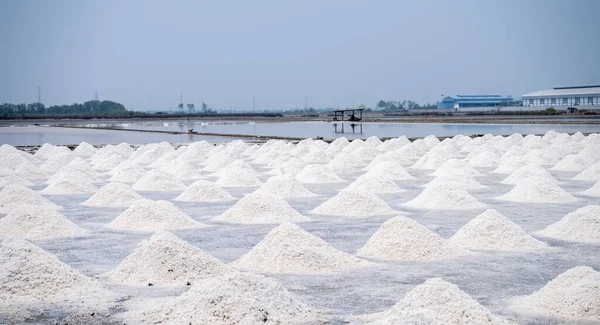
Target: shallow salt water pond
[(491, 278)]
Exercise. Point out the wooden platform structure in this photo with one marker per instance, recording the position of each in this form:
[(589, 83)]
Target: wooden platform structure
[(351, 116)]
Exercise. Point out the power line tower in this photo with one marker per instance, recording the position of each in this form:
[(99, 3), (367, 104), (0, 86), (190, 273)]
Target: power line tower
[(39, 91)]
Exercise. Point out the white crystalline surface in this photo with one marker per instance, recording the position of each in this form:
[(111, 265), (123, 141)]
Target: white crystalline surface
[(204, 191), (352, 203), (259, 207), (113, 195), (582, 225), (34, 222), (444, 196), (149, 215)]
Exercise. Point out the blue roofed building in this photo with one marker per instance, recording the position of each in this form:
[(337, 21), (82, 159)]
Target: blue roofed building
[(470, 101)]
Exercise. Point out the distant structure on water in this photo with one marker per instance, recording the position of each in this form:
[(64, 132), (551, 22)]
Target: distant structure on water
[(470, 101), (564, 96)]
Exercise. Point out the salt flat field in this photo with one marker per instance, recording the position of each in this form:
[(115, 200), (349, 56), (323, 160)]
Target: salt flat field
[(494, 229)]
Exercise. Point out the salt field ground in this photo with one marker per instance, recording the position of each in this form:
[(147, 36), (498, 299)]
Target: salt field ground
[(184, 233)]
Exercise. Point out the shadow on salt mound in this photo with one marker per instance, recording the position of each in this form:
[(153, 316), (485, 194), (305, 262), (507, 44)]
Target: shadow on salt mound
[(166, 259), (444, 196), (239, 178), (572, 295), (442, 300), (261, 208), (30, 272), (127, 172), (592, 173), (375, 184), (28, 170), (538, 190), (234, 298), (149, 215), (403, 239), (456, 167), (390, 169), (204, 191), (531, 171), (593, 191), (285, 187), (16, 195), (158, 180), (353, 203), (581, 225), (493, 231), (318, 174), (464, 182), (290, 249), (113, 195), (38, 223), (69, 187)]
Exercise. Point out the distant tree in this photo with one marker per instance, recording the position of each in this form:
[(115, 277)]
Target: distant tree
[(191, 107)]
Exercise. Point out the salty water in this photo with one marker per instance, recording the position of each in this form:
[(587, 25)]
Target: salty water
[(492, 278)]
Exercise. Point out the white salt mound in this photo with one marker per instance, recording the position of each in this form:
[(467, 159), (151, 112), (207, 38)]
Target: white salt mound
[(166, 259), (234, 298), (531, 171), (28, 170), (290, 249), (239, 178), (318, 174), (14, 196), (286, 187), (484, 159), (67, 187), (573, 295), (411, 317), (259, 207), (581, 225), (290, 167), (346, 163), (456, 167), (390, 169), (403, 239), (127, 172), (85, 149), (539, 190), (464, 182), (29, 272), (113, 195), (445, 300), (204, 191), (352, 203), (444, 196), (590, 174), (156, 180), (149, 215), (12, 179), (375, 184), (593, 191), (491, 230), (183, 170), (38, 223)]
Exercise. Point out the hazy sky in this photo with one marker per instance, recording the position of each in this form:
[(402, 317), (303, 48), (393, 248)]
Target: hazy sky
[(145, 53)]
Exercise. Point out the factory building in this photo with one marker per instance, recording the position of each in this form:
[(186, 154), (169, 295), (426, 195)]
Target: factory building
[(470, 101), (564, 96)]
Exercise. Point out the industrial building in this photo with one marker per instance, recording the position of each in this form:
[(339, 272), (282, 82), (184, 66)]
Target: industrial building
[(469, 101), (564, 96)]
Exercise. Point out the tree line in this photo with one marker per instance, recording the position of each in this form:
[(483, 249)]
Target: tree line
[(405, 105), (92, 108)]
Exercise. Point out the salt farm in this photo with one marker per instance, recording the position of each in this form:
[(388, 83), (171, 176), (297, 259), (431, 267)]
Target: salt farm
[(465, 230)]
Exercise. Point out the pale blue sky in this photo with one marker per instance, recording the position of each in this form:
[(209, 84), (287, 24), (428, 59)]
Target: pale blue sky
[(145, 53)]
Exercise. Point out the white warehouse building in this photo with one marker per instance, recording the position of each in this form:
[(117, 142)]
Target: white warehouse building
[(563, 97)]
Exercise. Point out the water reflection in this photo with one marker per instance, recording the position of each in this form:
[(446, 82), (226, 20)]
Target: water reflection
[(357, 128)]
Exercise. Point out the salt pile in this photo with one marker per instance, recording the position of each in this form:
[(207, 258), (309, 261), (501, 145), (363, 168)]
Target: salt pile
[(113, 195), (390, 169), (44, 150), (391, 156), (11, 161), (204, 191), (593, 191), (84, 149), (219, 161), (433, 159), (67, 187), (290, 249), (239, 177), (574, 163), (345, 163), (236, 166), (444, 196), (156, 180), (485, 159), (286, 187), (581, 225), (259, 207), (127, 172), (316, 157), (317, 174), (352, 203), (375, 184), (80, 172), (573, 295), (234, 298), (183, 170), (38, 223), (151, 152), (456, 167), (109, 162), (55, 162), (403, 239), (366, 153), (29, 272), (337, 145), (531, 171), (442, 299), (394, 143), (149, 215), (15, 195), (491, 230), (510, 164), (539, 190), (464, 182), (166, 259), (28, 170), (592, 173), (8, 178), (353, 145)]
